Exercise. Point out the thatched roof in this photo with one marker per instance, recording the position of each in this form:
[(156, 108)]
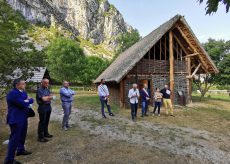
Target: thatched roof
[(129, 58)]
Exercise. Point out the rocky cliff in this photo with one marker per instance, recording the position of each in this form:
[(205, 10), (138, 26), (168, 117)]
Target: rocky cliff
[(95, 20)]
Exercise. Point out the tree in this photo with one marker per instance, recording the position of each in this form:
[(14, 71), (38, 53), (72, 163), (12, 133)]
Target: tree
[(212, 5), (14, 51), (94, 67), (219, 51), (126, 40), (65, 60)]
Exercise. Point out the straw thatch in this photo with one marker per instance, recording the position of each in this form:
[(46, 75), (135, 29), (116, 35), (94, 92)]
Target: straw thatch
[(129, 58)]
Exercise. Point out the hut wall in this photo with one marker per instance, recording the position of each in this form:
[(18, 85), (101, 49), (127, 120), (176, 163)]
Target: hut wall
[(114, 93)]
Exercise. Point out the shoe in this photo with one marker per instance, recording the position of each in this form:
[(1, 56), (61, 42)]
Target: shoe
[(65, 128), (48, 136), (111, 114), (42, 140), (23, 153), (69, 126), (103, 116), (13, 162), (172, 115)]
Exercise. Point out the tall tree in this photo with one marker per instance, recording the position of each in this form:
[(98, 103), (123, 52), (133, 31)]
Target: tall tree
[(212, 5), (126, 40), (65, 59), (14, 51), (219, 51)]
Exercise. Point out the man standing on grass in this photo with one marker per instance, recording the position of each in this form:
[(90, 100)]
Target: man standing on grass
[(18, 103), (167, 100), (103, 93), (145, 97), (133, 96), (66, 95), (44, 98)]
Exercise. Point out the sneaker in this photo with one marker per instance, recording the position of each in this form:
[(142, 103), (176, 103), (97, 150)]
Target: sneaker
[(48, 136), (65, 128), (111, 114), (69, 126), (104, 116)]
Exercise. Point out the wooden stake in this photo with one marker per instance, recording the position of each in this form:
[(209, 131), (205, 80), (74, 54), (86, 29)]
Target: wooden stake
[(171, 61), (122, 94)]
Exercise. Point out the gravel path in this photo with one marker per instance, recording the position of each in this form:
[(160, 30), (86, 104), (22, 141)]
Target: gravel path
[(205, 146)]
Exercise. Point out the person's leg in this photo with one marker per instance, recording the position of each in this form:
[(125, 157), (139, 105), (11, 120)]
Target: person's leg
[(108, 106), (102, 107), (41, 123), (65, 117), (155, 107), (47, 120), (132, 106), (21, 144), (14, 139), (70, 109), (159, 107), (166, 106), (170, 106), (135, 109), (143, 109)]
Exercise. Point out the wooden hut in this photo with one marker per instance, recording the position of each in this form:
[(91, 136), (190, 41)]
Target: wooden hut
[(171, 54)]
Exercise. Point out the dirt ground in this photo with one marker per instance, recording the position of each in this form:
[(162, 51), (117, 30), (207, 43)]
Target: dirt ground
[(119, 140)]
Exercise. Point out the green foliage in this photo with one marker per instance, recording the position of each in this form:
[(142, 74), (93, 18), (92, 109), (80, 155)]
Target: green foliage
[(65, 59), (212, 5), (94, 67), (126, 40), (14, 51)]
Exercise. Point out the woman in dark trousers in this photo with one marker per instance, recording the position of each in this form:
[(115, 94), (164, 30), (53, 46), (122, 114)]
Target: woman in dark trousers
[(158, 99)]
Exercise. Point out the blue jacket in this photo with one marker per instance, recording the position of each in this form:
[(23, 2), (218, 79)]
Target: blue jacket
[(66, 94), (17, 106), (144, 95)]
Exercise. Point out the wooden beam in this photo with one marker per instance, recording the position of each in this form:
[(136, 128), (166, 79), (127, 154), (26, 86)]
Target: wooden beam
[(190, 80), (181, 45), (171, 61), (165, 49), (160, 49), (122, 101), (197, 68), (191, 55)]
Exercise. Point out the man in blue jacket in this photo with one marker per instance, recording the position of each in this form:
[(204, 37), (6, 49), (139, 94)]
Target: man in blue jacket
[(66, 95), (18, 103), (145, 97)]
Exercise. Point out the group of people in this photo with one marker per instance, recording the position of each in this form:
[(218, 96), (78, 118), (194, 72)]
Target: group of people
[(20, 108), (163, 95)]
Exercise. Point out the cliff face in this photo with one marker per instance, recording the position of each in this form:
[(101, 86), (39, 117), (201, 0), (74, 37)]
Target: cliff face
[(93, 20)]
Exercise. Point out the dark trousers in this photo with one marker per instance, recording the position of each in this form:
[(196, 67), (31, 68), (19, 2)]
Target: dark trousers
[(44, 118), (16, 140), (67, 111), (134, 110), (157, 105), (103, 103)]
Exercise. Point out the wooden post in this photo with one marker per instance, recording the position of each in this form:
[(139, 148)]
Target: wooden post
[(160, 49), (165, 49), (189, 80), (122, 93), (171, 61)]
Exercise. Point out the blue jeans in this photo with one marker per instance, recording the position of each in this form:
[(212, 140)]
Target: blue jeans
[(67, 111), (103, 103), (134, 110), (144, 107), (16, 140)]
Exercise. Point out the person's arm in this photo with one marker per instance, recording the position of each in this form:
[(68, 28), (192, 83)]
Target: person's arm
[(17, 100), (138, 93), (42, 97), (65, 93), (130, 94)]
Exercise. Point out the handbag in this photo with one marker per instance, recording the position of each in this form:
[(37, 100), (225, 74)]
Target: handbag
[(31, 112)]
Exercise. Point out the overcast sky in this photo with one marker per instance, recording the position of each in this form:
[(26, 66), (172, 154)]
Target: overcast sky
[(146, 15)]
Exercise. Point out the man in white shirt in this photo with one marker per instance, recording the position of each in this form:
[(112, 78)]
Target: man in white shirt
[(103, 93), (133, 97)]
